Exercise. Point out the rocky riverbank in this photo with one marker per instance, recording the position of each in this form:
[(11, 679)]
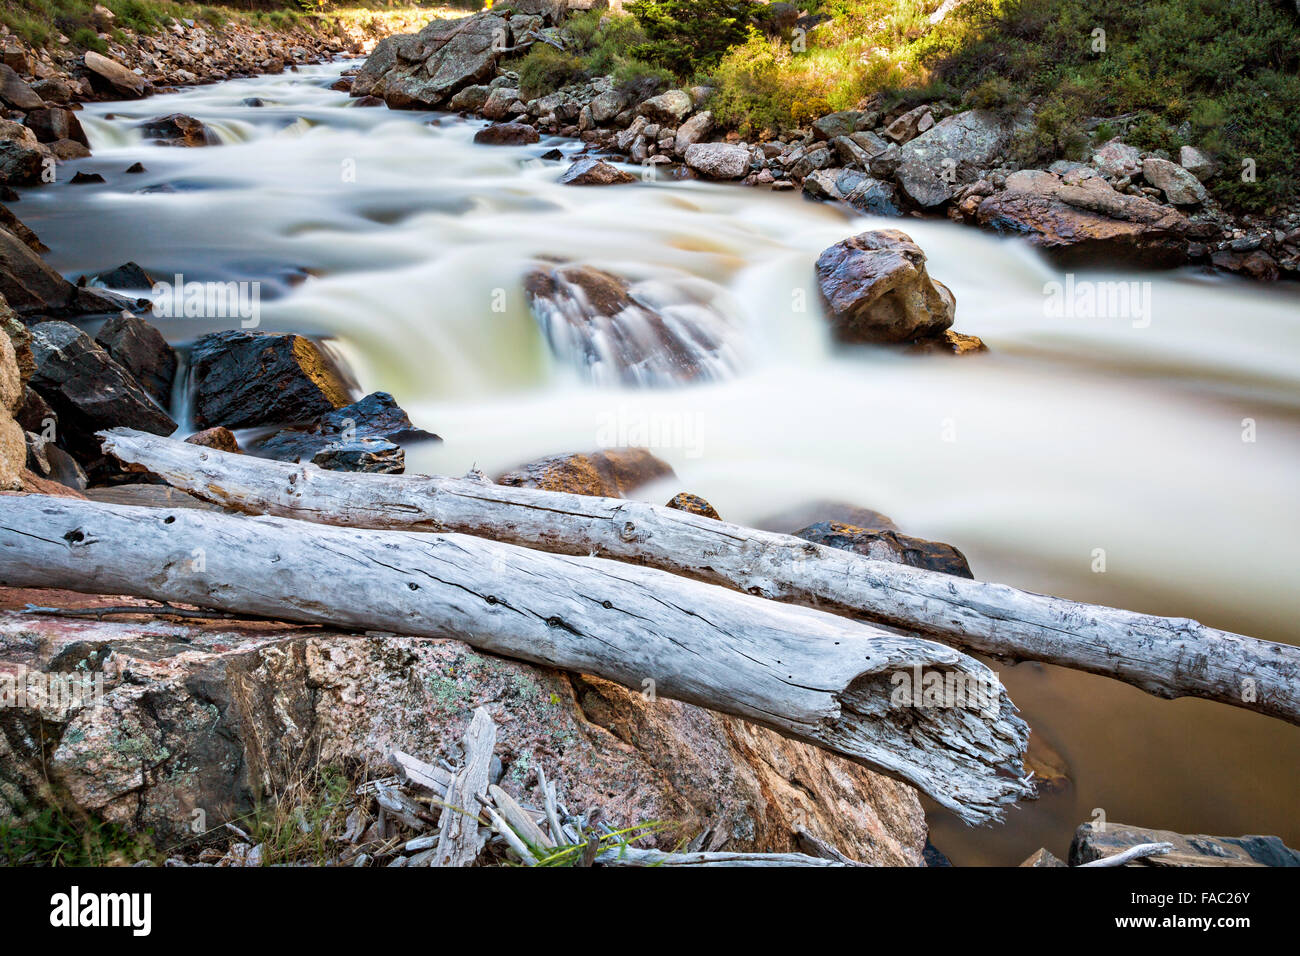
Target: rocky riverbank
[(41, 87), (1125, 205)]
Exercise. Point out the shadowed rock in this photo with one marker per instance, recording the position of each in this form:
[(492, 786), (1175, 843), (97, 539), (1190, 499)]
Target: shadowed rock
[(141, 349), (376, 417), (880, 544)]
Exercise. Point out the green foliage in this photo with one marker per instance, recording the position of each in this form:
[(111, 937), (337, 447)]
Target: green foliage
[(545, 69), (52, 837), (685, 36)]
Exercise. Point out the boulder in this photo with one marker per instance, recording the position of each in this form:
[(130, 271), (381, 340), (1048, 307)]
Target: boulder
[(442, 58), (471, 98), (881, 544), (1257, 264), (56, 124), (23, 158), (859, 190), (910, 125), (382, 59), (498, 104), (651, 333), (222, 439), (16, 226), (27, 282), (608, 104), (1118, 160), (129, 275), (53, 89), (243, 378), (876, 289), (668, 109), (15, 92), (47, 460), (507, 134), (141, 349), (88, 390), (590, 171), (1197, 162), (685, 501), (1087, 221), (843, 123), (1180, 187), (952, 152), (815, 512), (377, 417), (692, 131), (177, 129), (225, 717), (107, 73), (610, 473), (718, 160), (1093, 843)]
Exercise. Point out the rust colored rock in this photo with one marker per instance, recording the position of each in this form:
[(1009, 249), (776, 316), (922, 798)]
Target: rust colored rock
[(218, 437), (685, 501), (951, 343), (1086, 221), (177, 129), (609, 474), (590, 171), (883, 545)]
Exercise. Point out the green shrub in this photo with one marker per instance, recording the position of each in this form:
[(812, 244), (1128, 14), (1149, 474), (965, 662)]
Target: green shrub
[(545, 69), (686, 36)]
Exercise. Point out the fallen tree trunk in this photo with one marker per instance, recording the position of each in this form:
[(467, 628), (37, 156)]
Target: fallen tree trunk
[(1167, 657), (810, 675)]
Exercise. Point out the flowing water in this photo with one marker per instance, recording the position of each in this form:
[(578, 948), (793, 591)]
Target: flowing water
[(1132, 433)]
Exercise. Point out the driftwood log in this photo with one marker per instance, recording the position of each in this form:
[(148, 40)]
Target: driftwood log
[(813, 676), (1167, 657)]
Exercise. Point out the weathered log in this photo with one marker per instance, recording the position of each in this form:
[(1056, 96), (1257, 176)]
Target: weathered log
[(1167, 657), (632, 856), (460, 839), (813, 676)]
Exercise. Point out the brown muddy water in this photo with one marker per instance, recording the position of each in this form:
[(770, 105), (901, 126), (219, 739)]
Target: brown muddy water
[(1085, 433)]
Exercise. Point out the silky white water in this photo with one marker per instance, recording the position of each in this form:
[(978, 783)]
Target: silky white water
[(1147, 459)]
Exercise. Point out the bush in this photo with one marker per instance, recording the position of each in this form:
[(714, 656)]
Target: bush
[(545, 69), (686, 36)]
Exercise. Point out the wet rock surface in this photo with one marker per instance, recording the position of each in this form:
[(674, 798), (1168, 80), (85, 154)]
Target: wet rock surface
[(338, 439), (611, 473), (244, 378), (881, 544)]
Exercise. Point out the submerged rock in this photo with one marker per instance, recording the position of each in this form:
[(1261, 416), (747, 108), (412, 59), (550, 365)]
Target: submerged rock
[(243, 378), (590, 171), (880, 544), (608, 474), (377, 418), (876, 289), (648, 333), (507, 134), (177, 129)]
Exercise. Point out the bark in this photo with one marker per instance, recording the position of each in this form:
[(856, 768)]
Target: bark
[(813, 676), (1166, 657)]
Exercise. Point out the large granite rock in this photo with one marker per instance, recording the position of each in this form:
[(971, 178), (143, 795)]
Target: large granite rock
[(218, 717), (13, 446), (177, 129), (23, 158), (27, 282), (718, 160), (424, 70), (243, 378), (113, 77), (1085, 220), (590, 171), (1179, 185), (952, 152), (876, 289)]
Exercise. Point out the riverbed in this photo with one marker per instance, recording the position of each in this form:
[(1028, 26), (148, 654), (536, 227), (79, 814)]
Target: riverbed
[(1144, 455)]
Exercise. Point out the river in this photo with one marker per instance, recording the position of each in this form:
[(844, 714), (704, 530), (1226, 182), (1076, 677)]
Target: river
[(1147, 460)]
